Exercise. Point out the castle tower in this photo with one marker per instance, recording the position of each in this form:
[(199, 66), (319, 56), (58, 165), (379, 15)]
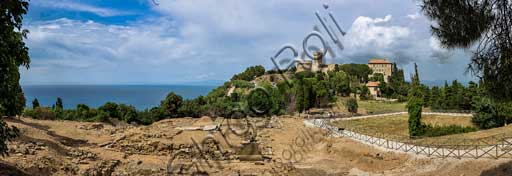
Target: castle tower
[(318, 62)]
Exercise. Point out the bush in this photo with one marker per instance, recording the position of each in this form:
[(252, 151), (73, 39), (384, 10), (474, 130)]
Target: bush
[(486, 115), (148, 116), (190, 108), (365, 93), (102, 116), (259, 101), (433, 131), (242, 84), (351, 105), (110, 109), (40, 113), (127, 113), (171, 104)]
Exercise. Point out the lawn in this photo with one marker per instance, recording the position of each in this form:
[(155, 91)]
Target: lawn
[(396, 128)]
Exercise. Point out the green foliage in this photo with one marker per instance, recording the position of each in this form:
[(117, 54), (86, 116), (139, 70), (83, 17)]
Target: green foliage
[(433, 131), (322, 93), (377, 77), (365, 93), (102, 116), (58, 103), (40, 113), (486, 115), (111, 109), (396, 87), (191, 108), (171, 104), (352, 105), (360, 71), (462, 23), (128, 113), (259, 100), (35, 103), (13, 54), (242, 84), (414, 106), (435, 98), (250, 73), (454, 96), (340, 83), (299, 95)]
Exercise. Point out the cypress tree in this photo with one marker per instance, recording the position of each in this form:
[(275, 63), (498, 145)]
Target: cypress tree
[(414, 105), (35, 103), (58, 104)]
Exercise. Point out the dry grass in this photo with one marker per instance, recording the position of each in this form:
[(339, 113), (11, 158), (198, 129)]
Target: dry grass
[(396, 128), (397, 124), (379, 107)]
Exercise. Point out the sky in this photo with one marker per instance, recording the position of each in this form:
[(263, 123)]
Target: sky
[(194, 41)]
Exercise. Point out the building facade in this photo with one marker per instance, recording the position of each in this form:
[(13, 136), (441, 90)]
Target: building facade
[(382, 66), (374, 88)]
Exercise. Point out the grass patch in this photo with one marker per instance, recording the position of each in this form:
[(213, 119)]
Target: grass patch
[(398, 125), (380, 107), (396, 128), (433, 131)]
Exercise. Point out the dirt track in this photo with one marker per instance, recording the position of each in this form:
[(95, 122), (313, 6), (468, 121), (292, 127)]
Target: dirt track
[(79, 148)]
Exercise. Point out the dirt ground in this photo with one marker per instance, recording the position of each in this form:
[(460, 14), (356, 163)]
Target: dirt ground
[(281, 146)]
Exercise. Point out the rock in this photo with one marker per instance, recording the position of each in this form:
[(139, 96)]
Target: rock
[(97, 126), (23, 149), (102, 168)]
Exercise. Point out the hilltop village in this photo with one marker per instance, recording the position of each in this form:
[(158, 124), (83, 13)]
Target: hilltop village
[(379, 68)]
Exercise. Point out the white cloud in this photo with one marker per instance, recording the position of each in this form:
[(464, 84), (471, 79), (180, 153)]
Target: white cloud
[(75, 6), (366, 31), (213, 39), (414, 16)]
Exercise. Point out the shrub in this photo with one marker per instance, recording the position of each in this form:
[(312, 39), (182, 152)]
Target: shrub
[(486, 115), (433, 131), (40, 113), (190, 108), (352, 105), (102, 116), (171, 104), (110, 109), (127, 113), (148, 116), (242, 84), (259, 101), (365, 93)]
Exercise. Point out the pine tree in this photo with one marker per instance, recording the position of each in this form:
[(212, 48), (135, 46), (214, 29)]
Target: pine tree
[(414, 105), (484, 26)]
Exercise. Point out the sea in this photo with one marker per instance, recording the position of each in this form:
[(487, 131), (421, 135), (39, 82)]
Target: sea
[(140, 96)]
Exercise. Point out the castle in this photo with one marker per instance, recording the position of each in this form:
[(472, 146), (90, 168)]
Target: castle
[(315, 65)]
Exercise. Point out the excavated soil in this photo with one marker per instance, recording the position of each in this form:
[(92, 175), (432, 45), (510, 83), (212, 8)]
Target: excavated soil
[(185, 146)]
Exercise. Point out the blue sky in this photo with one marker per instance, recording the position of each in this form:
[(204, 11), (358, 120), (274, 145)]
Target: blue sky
[(183, 41)]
